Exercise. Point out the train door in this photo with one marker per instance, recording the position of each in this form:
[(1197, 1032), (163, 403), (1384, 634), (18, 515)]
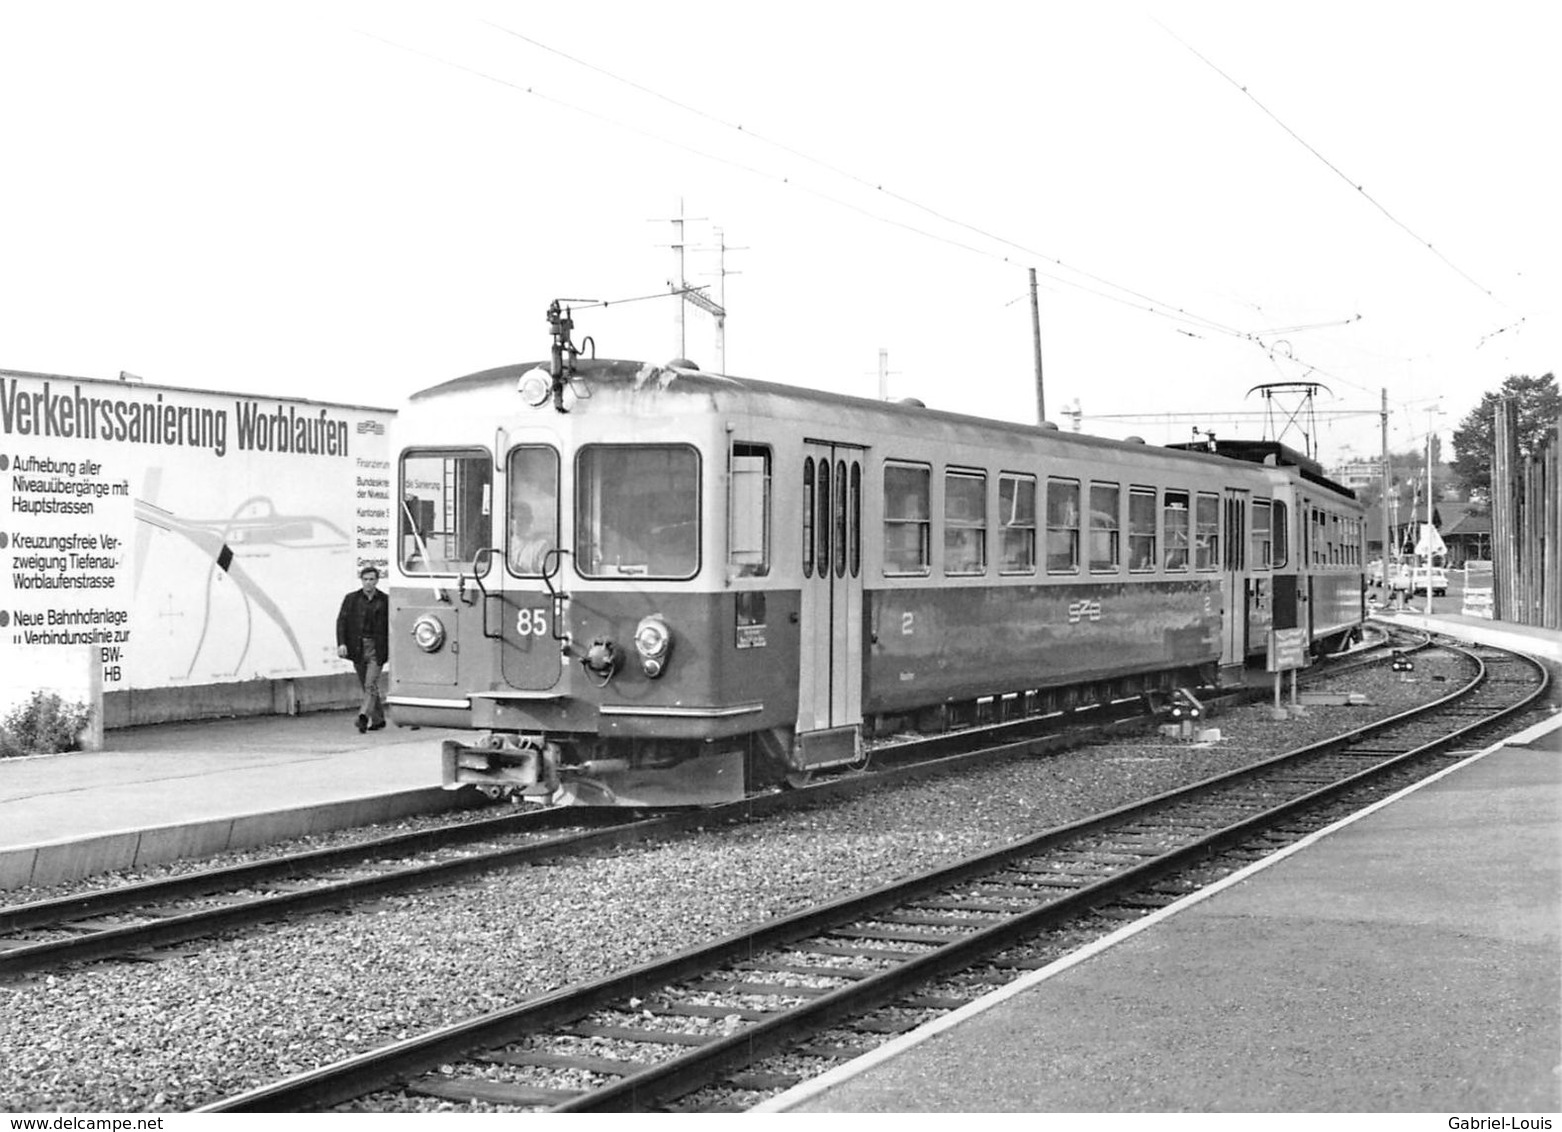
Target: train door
[(1233, 650), (829, 705), (1290, 579), (524, 613)]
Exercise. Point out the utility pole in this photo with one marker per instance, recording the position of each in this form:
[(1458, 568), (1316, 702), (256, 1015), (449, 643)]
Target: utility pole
[(884, 374), (1429, 414), (721, 298), (1387, 485), (678, 283), (1035, 333), (1075, 411)]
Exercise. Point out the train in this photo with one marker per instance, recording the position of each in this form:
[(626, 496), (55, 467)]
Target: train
[(648, 585)]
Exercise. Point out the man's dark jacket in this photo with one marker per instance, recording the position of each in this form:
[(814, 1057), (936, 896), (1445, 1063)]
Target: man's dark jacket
[(360, 618)]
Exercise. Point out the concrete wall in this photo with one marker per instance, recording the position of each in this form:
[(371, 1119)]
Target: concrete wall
[(137, 707)]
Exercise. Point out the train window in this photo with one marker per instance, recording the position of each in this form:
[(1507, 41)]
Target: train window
[(748, 511), (1062, 525), (1141, 528), (532, 489), (637, 510), (1279, 535), (1259, 535), (856, 518), (841, 526), (822, 521), (965, 522), (1017, 524), (1206, 532), (808, 517), (446, 509), (1236, 538), (1106, 527), (1175, 521), (907, 519)]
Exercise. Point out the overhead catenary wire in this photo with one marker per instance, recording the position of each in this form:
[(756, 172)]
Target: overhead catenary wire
[(1126, 296), (875, 186), (1336, 170), (1136, 299)]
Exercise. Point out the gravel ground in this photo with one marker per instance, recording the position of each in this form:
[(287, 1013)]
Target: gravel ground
[(234, 1013)]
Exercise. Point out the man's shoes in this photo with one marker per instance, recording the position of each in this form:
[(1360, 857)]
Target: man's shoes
[(363, 724), (376, 726)]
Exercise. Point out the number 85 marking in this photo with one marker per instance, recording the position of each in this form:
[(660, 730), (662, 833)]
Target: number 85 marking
[(531, 623)]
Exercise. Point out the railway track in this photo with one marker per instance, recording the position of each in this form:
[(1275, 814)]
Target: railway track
[(137, 921), (695, 1029)]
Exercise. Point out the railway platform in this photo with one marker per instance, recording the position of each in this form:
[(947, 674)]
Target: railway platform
[(157, 793), (1406, 960), (1543, 644)]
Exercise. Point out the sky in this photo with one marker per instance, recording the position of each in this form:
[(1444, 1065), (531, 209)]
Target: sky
[(351, 201)]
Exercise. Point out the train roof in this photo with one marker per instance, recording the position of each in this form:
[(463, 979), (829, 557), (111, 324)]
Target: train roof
[(1273, 454), (683, 377)]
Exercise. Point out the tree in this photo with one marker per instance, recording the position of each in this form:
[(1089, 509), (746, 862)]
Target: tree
[(1540, 406)]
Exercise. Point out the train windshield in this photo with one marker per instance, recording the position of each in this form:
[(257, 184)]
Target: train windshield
[(637, 511), (533, 492), (446, 510)]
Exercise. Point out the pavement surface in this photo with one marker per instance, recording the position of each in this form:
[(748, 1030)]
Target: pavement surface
[(157, 793), (1409, 961)]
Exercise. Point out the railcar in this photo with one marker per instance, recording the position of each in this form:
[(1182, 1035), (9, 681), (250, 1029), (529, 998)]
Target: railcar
[(1307, 547), (645, 585)]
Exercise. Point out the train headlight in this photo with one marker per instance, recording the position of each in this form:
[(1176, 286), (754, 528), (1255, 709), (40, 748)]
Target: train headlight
[(534, 386), (428, 633), (654, 642)]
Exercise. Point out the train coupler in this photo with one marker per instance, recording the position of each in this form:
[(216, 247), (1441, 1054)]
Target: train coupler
[(517, 764)]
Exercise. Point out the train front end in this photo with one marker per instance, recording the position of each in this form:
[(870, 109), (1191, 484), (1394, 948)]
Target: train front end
[(550, 594)]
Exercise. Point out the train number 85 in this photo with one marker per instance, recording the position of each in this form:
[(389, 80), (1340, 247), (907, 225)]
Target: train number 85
[(531, 623)]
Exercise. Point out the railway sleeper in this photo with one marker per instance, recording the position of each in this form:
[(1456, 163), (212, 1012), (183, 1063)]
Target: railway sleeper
[(897, 1025), (944, 921), (863, 952), (764, 990), (848, 973), (638, 1035), (756, 1081), (934, 1002), (832, 1053), (542, 1059), (482, 1091), (699, 1010), (886, 935), (955, 904)]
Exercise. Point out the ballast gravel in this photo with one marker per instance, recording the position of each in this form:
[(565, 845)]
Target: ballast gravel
[(222, 1016)]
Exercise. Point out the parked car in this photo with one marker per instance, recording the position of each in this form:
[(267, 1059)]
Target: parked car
[(1375, 572), (1439, 578)]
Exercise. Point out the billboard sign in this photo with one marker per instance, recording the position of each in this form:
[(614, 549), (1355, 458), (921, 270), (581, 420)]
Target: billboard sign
[(191, 537)]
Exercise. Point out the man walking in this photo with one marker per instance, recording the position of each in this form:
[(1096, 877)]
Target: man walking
[(363, 637)]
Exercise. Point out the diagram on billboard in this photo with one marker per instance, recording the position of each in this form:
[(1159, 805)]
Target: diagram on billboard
[(258, 530)]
